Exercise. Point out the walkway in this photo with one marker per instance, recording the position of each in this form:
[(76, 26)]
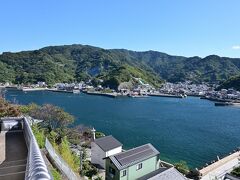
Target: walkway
[(221, 167), (13, 155)]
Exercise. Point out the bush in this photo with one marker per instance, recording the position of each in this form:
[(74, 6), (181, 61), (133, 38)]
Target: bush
[(66, 153), (39, 135), (182, 167), (236, 172), (89, 170), (7, 109), (99, 134)]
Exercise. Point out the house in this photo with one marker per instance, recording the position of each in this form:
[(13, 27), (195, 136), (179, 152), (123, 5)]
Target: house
[(104, 147), (140, 163), (132, 164)]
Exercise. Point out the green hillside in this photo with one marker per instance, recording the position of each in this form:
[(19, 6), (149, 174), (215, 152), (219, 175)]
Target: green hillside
[(233, 82), (78, 62)]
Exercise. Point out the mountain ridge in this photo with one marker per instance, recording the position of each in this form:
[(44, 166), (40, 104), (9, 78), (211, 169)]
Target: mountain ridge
[(68, 63)]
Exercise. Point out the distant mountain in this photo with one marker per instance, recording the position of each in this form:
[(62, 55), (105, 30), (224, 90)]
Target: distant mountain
[(233, 82), (80, 62)]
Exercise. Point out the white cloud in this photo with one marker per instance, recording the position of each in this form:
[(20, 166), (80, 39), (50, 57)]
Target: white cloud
[(236, 47)]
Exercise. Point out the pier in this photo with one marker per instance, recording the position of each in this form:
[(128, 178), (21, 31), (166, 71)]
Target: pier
[(58, 90), (166, 95), (219, 168), (113, 95)]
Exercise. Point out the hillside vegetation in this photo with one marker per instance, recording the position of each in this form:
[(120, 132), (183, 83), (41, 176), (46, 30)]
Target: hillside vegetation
[(233, 82), (78, 62)]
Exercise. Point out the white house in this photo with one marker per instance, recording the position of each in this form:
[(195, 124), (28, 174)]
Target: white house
[(104, 147)]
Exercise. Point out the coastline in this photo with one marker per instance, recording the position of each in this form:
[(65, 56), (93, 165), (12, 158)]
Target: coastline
[(104, 117)]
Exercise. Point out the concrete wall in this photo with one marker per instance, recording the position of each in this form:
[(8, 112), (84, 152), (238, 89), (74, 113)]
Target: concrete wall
[(114, 151), (97, 155)]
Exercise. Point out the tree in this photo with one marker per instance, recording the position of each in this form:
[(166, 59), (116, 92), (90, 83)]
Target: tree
[(7, 109), (54, 118), (182, 167), (236, 172)]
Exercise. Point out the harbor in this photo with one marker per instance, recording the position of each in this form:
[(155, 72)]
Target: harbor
[(161, 118), (180, 90)]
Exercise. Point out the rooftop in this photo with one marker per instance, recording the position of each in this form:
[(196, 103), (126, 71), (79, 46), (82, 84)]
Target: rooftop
[(133, 156), (231, 177), (164, 173), (107, 143)]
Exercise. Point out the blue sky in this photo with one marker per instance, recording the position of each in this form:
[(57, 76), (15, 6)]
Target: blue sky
[(180, 27)]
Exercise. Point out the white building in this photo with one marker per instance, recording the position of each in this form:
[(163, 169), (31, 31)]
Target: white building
[(104, 147)]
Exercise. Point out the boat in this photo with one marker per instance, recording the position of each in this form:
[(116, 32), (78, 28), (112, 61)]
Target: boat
[(138, 96), (76, 91), (25, 89), (227, 104)]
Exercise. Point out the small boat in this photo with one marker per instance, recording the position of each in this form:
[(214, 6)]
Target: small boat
[(138, 96), (227, 104), (76, 91)]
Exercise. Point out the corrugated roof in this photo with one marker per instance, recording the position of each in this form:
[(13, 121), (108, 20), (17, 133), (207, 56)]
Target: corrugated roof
[(133, 156), (107, 143)]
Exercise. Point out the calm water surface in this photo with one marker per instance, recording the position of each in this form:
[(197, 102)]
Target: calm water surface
[(188, 129)]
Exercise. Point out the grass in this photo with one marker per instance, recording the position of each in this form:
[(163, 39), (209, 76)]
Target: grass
[(39, 135), (56, 175)]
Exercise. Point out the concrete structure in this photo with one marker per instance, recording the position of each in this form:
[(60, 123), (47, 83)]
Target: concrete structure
[(104, 147), (20, 156), (220, 168), (132, 164)]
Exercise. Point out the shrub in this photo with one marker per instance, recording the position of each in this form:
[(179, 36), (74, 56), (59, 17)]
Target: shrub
[(236, 172), (56, 175), (39, 135), (182, 167)]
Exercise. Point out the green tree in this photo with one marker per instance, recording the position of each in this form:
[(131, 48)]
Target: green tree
[(182, 167), (54, 118), (236, 172)]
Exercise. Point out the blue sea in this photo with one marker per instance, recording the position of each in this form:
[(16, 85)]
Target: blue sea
[(189, 129)]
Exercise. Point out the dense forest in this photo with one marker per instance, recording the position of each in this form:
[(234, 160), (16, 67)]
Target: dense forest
[(71, 63), (233, 82)]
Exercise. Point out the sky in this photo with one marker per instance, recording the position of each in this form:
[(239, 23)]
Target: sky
[(176, 27)]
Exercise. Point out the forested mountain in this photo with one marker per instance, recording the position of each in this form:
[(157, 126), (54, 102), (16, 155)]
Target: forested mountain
[(233, 82), (80, 62)]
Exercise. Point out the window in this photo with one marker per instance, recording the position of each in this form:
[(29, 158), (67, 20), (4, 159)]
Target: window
[(139, 166), (124, 173)]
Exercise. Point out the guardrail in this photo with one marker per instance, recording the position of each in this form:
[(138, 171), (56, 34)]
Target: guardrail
[(36, 167)]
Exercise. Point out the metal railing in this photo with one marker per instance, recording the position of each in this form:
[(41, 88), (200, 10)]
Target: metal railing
[(36, 167)]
